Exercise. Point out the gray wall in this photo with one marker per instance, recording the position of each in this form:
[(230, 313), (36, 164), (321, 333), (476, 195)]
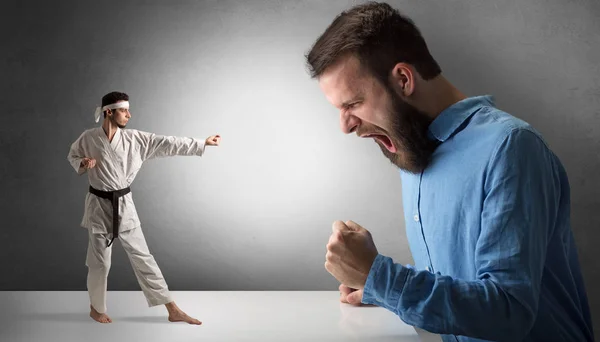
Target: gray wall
[(256, 212)]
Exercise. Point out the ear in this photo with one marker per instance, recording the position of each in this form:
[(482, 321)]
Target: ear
[(402, 78)]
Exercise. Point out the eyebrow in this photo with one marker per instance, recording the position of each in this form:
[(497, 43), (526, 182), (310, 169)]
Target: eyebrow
[(354, 99)]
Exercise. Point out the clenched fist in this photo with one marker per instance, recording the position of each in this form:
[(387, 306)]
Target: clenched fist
[(350, 254), (350, 296), (87, 163), (213, 140)]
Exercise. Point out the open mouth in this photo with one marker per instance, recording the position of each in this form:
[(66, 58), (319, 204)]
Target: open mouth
[(382, 140)]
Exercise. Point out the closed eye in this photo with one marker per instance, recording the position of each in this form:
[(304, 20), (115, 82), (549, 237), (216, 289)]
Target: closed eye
[(351, 105)]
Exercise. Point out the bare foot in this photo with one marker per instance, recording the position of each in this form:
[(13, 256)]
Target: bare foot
[(98, 317), (177, 315), (180, 316)]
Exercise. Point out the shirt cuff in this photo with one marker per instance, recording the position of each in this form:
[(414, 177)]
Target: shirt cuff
[(201, 147), (384, 283), (76, 163)]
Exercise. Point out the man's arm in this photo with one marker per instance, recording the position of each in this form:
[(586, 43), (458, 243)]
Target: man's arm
[(76, 155), (522, 194), (157, 146)]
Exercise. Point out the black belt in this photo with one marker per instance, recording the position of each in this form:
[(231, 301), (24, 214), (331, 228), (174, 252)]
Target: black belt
[(113, 196)]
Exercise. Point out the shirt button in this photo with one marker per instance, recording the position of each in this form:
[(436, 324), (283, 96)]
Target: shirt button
[(416, 217)]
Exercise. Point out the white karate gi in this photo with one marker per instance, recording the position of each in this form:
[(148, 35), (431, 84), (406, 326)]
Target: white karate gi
[(117, 164)]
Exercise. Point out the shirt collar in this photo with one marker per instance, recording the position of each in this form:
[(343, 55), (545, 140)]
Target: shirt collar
[(452, 118)]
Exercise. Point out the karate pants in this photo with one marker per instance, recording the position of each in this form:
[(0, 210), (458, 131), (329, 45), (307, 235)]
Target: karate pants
[(146, 269)]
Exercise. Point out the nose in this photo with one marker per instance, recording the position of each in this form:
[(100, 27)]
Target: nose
[(349, 123), (128, 114)]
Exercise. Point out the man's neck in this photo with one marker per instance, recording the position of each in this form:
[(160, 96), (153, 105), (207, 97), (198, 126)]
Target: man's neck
[(439, 95), (109, 129)]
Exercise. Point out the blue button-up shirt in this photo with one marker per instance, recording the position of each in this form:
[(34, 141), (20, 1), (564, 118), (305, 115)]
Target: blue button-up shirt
[(489, 229)]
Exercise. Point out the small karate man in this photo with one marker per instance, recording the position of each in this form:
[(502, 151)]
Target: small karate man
[(112, 156)]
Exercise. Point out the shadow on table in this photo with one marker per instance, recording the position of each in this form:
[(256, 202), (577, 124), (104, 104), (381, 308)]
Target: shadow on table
[(59, 317), (79, 317), (144, 319)]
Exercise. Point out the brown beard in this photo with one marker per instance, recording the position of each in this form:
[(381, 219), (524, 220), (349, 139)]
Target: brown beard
[(408, 130), (116, 123)]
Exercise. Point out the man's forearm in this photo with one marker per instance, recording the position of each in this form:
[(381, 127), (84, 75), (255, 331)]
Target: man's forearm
[(76, 163), (443, 305), (167, 146)]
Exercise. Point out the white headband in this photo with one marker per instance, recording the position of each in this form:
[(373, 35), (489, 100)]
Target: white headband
[(123, 104)]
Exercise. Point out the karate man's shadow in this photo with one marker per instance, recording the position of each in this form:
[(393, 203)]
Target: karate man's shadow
[(142, 319), (60, 317), (84, 317)]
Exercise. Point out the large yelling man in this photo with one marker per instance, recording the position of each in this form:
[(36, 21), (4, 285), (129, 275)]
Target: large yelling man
[(486, 202)]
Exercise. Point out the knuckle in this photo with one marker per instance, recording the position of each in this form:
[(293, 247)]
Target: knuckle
[(337, 225)]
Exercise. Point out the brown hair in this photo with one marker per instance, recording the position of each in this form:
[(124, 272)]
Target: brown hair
[(113, 97), (379, 36)]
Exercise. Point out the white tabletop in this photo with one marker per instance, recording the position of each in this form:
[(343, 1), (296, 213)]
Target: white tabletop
[(226, 316)]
